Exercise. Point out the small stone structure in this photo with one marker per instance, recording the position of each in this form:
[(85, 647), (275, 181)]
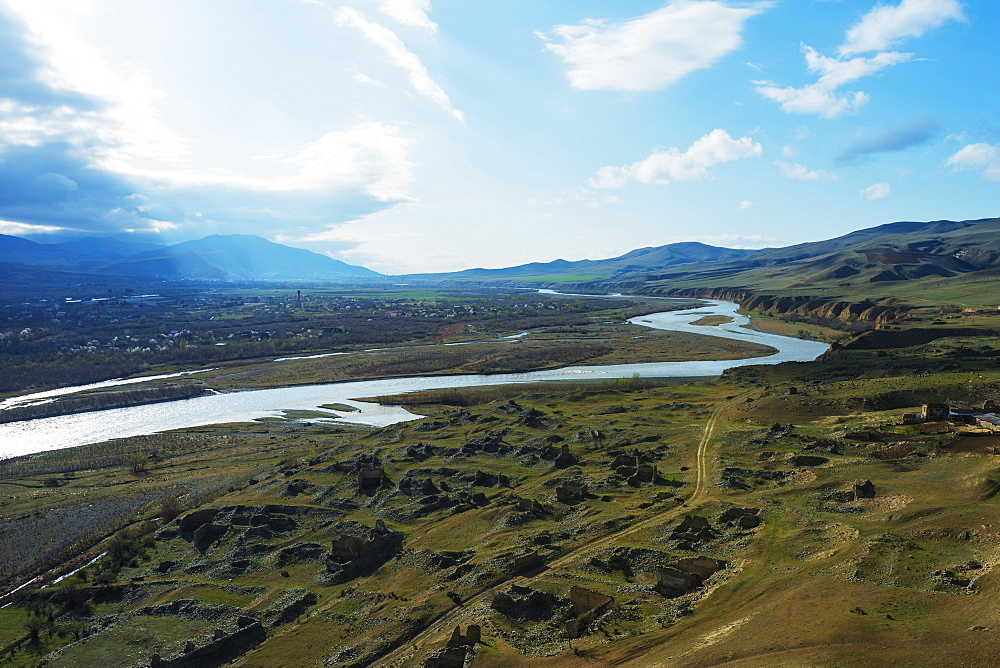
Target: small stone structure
[(585, 605), (643, 473), (359, 547), (565, 457), (744, 518), (692, 529), (524, 602), (571, 492), (223, 647), (196, 518), (685, 575), (484, 479), (371, 478), (451, 657), (472, 637), (863, 489), (526, 562)]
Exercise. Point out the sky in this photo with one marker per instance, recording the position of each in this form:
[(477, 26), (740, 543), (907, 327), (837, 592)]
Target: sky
[(436, 135)]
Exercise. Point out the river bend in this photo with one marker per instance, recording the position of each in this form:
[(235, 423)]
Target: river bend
[(63, 431)]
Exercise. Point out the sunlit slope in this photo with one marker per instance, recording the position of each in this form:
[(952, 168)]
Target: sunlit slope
[(900, 259)]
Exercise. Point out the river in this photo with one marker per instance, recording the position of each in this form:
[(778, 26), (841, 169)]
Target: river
[(63, 431)]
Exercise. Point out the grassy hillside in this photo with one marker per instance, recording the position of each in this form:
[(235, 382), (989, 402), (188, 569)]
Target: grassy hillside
[(939, 263), (518, 508)]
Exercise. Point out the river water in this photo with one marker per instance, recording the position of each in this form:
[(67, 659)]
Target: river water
[(63, 431)]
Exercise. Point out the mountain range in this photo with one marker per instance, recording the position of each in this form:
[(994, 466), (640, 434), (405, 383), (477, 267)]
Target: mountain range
[(871, 259), (231, 257), (640, 260), (864, 260)]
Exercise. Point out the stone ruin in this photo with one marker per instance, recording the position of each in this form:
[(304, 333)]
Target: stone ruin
[(571, 492), (585, 606), (207, 526), (863, 489), (686, 575), (691, 531), (522, 511), (450, 657), (359, 548), (371, 478), (221, 649), (491, 442), (564, 458), (743, 518), (362, 461), (526, 561), (525, 603), (635, 467), (420, 452), (483, 479), (472, 636)]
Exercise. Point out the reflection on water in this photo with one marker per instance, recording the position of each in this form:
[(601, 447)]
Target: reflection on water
[(17, 438)]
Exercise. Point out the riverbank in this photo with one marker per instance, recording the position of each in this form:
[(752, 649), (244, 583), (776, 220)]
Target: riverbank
[(79, 429), (597, 344)]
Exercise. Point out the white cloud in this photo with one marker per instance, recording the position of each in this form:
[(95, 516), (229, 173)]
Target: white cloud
[(663, 167), (745, 205), (876, 191), (822, 97), (19, 229), (880, 29), (652, 51), (408, 12), (399, 54), (801, 172), (885, 26), (985, 157), (370, 157), (128, 127)]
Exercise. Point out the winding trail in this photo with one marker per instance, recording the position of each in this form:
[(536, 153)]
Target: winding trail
[(442, 626)]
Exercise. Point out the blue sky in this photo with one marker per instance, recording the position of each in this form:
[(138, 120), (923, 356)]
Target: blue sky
[(432, 135)]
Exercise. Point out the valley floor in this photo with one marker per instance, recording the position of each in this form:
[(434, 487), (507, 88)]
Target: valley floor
[(781, 516)]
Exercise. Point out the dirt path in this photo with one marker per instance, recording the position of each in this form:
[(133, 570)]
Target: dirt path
[(464, 614)]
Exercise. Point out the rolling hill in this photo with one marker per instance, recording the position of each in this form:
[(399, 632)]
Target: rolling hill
[(640, 260), (862, 261)]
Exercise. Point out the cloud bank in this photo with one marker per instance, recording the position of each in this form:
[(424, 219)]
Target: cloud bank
[(652, 51), (662, 167)]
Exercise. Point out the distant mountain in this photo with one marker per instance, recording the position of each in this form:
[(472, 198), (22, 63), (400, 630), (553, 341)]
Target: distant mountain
[(105, 248), (858, 261), (232, 257), (236, 257), (640, 260), (22, 251)]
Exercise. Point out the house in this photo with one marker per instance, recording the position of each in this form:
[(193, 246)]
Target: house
[(934, 411)]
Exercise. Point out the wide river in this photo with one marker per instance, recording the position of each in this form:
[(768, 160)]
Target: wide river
[(63, 431)]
